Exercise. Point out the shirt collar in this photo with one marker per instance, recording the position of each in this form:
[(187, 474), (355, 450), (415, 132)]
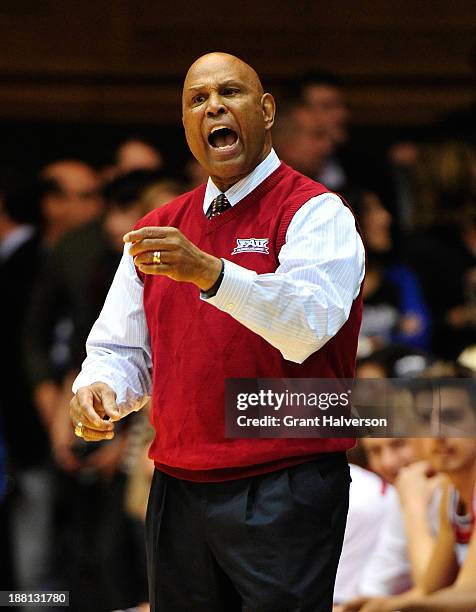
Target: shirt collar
[(242, 188)]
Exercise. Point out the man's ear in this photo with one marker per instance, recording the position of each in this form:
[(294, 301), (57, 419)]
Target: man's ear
[(269, 110)]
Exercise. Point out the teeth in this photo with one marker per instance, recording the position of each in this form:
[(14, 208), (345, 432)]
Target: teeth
[(219, 127)]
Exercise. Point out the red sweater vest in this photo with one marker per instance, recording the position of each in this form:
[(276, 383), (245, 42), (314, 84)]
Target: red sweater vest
[(196, 346)]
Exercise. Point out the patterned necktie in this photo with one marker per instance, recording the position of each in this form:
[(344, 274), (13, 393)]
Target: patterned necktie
[(219, 205)]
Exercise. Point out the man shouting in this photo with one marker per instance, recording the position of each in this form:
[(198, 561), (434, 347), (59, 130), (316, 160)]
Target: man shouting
[(255, 274)]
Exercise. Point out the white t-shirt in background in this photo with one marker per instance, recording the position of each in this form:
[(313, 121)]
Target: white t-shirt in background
[(369, 502)]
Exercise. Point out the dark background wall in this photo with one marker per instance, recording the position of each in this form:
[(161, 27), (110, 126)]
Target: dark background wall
[(73, 71)]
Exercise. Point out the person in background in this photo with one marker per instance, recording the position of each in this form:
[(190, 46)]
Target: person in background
[(348, 166), (323, 93), (134, 153), (75, 275), (72, 198), (372, 496), (300, 140), (76, 278), (137, 154), (417, 537), (449, 252), (387, 456), (90, 481), (454, 589), (370, 500), (69, 196), (26, 478), (394, 308)]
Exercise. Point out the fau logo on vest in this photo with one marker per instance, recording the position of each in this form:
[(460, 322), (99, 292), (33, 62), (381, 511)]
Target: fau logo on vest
[(251, 245)]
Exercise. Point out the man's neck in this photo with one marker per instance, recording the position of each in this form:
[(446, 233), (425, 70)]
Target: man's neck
[(224, 184)]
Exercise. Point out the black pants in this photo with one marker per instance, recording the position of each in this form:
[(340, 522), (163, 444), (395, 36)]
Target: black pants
[(266, 543)]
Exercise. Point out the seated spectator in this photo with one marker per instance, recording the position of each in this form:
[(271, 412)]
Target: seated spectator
[(369, 502), (387, 456), (394, 361), (372, 497), (460, 596), (430, 546), (456, 589), (394, 309), (449, 253)]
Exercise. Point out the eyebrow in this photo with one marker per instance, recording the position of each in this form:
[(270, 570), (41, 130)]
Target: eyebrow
[(222, 84)]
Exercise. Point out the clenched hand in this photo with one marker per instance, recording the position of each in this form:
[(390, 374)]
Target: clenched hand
[(90, 407)]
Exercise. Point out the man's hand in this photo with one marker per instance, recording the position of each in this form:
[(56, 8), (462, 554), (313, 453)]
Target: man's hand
[(90, 406), (180, 259), (416, 485)]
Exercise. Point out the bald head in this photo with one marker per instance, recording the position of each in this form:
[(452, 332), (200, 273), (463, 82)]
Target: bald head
[(227, 117), (223, 61)]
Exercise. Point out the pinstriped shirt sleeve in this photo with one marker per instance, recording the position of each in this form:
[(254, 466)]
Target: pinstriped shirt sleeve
[(118, 346), (297, 309), (305, 302)]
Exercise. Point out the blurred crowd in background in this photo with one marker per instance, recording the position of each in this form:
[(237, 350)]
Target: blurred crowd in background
[(72, 512)]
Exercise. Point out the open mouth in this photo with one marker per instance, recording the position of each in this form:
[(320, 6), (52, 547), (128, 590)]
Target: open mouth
[(222, 137)]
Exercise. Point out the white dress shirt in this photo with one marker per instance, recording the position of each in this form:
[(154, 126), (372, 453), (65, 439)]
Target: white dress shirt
[(297, 308)]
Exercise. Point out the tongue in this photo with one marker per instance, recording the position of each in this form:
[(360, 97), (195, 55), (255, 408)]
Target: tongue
[(224, 139)]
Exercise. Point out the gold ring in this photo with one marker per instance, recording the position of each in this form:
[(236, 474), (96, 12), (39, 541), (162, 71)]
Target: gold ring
[(79, 429), (156, 258)]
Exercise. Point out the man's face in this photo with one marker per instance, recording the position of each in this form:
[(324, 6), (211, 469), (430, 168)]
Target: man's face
[(227, 118), (450, 455), (387, 456), (455, 415), (327, 104), (309, 144), (77, 199)]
